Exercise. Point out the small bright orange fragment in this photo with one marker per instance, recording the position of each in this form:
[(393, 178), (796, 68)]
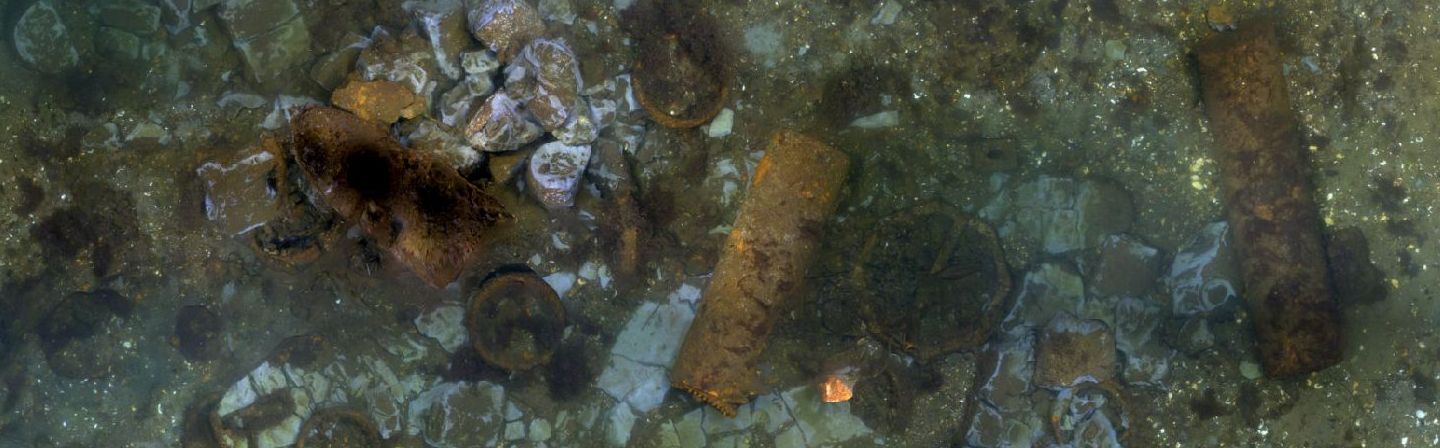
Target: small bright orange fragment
[(834, 390)]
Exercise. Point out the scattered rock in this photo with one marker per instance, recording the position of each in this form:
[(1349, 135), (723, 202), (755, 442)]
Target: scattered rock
[(443, 23), (546, 77), (136, 16), (116, 44), (555, 171), (1065, 214), (504, 166), (331, 70), (1147, 359), (499, 125), (427, 136), (241, 194), (505, 26), (721, 125), (1073, 351), (1047, 290), (43, 40), (1124, 266), (381, 101), (1203, 276), (270, 34), (405, 59)]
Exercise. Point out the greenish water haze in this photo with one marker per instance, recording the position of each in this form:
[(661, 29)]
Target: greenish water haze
[(1030, 250)]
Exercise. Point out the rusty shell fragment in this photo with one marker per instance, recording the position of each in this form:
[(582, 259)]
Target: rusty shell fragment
[(775, 236), (427, 215), (1268, 199)]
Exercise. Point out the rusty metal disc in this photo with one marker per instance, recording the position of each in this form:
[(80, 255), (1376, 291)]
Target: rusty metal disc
[(932, 281), (515, 321), (339, 427), (679, 81)]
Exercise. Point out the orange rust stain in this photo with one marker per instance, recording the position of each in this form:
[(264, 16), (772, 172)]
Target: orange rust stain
[(761, 169), (834, 390)]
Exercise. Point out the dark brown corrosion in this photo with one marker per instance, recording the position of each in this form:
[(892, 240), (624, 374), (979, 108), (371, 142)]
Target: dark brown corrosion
[(932, 280), (1267, 194), (427, 215), (516, 321), (779, 226), (682, 73), (339, 427)]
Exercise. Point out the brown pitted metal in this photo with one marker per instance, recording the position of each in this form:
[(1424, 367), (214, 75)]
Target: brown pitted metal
[(932, 281), (427, 215), (1268, 199), (339, 427), (764, 261), (515, 321)]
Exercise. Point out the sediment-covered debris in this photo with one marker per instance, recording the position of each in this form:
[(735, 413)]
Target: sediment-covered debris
[(423, 212)]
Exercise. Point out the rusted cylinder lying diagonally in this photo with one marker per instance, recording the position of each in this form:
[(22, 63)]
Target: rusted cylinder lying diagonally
[(772, 243), (1268, 199), (427, 215)]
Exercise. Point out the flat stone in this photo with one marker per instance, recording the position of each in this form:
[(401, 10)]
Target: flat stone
[(115, 43), (1048, 289), (270, 55), (1065, 214), (42, 39), (331, 69), (721, 125), (539, 430), (1203, 276), (1124, 266), (380, 101), (618, 425), (445, 323), (1072, 351), (1006, 386), (1147, 359), (237, 197), (250, 19), (136, 16), (443, 24)]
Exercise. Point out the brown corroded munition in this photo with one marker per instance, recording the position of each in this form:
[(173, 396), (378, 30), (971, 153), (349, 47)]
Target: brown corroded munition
[(794, 192), (1268, 199), (427, 215)]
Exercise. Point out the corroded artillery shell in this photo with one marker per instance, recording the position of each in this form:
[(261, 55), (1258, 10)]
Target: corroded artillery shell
[(423, 212), (795, 190), (1268, 200)]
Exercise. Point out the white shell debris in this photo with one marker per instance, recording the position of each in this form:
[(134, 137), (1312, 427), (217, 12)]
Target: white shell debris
[(720, 126), (877, 120), (500, 126), (554, 174)]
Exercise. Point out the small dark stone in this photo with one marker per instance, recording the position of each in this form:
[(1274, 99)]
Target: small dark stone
[(198, 330), (195, 431)]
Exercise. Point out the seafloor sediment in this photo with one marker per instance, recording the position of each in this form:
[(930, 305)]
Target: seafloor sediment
[(168, 279)]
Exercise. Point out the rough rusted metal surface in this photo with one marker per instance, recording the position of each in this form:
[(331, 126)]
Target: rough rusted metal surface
[(1269, 202), (423, 212), (766, 255)]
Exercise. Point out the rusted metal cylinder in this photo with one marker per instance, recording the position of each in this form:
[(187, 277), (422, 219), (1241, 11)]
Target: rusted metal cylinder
[(762, 266), (1269, 202)]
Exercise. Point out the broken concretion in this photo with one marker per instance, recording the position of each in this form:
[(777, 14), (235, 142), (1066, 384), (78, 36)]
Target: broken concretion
[(774, 238), (1268, 199), (423, 212)]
